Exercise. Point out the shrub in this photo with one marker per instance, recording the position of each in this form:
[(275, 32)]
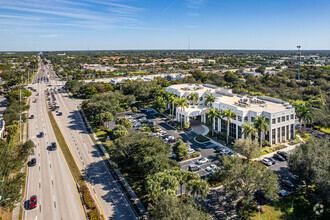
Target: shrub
[(134, 109), (88, 200), (201, 138), (194, 155), (94, 215)]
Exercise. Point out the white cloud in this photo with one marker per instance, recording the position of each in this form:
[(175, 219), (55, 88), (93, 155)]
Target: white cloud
[(52, 35), (195, 3)]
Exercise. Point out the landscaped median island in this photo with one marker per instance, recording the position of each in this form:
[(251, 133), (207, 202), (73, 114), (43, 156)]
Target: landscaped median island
[(201, 138), (88, 200)]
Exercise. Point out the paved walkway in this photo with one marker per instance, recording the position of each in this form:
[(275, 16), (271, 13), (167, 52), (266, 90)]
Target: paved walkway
[(200, 129)]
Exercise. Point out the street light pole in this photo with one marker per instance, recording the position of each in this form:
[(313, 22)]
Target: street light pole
[(299, 62), (259, 212), (20, 115)]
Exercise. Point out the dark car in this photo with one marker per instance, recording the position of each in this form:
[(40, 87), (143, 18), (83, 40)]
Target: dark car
[(283, 154), (32, 117), (33, 162), (279, 157), (272, 160), (262, 195), (41, 134), (151, 124), (33, 202), (288, 184), (53, 146), (218, 149)]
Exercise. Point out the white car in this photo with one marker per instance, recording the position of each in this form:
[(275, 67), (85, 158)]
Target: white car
[(202, 160), (266, 161), (191, 151)]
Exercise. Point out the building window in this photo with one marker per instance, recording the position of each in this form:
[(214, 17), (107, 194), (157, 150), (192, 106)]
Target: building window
[(283, 118), (278, 120), (273, 136), (232, 130), (274, 121), (292, 116), (239, 131), (252, 119), (283, 133), (223, 125), (287, 117), (287, 132), (292, 132), (239, 118), (246, 118), (216, 124), (278, 135)]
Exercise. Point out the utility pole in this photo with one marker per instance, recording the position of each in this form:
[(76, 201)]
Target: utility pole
[(299, 62), (20, 115)]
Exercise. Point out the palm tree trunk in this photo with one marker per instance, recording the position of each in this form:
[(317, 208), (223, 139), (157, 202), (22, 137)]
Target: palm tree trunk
[(260, 138), (227, 130)]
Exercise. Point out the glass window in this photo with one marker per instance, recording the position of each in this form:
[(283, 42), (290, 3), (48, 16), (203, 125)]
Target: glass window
[(278, 120), (216, 124), (283, 118), (239, 131), (283, 133), (252, 119), (292, 116), (239, 118), (292, 137), (278, 135), (274, 121), (232, 130), (223, 125), (273, 136), (287, 117), (287, 132), (246, 118)]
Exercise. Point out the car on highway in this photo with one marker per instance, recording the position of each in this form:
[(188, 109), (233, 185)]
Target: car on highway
[(193, 167), (41, 134), (279, 157), (31, 116), (33, 202), (266, 161), (53, 146), (202, 161), (59, 113), (33, 162)]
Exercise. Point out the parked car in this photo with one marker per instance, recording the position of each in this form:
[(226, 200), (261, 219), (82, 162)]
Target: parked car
[(272, 160), (194, 167), (288, 184), (285, 155), (279, 157), (33, 162), (266, 161), (202, 161), (262, 195), (191, 151), (33, 202), (224, 151), (218, 149)]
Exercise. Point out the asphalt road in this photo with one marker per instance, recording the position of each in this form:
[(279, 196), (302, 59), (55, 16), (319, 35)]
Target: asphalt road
[(50, 179)]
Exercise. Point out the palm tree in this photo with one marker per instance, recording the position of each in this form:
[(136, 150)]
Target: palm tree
[(194, 98), (211, 115), (171, 99), (229, 115), (300, 111), (308, 117), (248, 128), (262, 125), (204, 189), (182, 103), (209, 99)]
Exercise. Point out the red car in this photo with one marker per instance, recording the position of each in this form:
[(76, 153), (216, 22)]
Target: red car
[(33, 202)]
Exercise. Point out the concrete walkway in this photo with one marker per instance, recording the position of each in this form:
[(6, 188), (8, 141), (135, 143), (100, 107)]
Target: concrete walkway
[(200, 129)]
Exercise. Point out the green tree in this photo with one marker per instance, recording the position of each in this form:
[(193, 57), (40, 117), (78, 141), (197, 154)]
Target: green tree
[(248, 128), (182, 103), (262, 125), (125, 122), (159, 105), (119, 131), (134, 109), (209, 99), (311, 162), (212, 114), (300, 111), (247, 147), (180, 149), (245, 178), (308, 117), (194, 98), (229, 115)]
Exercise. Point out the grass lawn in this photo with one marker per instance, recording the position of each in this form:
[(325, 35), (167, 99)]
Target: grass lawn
[(326, 130), (270, 213)]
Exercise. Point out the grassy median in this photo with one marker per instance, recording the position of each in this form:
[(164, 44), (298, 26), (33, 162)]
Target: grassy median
[(92, 211)]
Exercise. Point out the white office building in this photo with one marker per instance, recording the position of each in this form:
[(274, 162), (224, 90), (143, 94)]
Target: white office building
[(281, 114)]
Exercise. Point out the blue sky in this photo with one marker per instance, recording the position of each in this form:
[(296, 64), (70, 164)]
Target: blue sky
[(164, 24)]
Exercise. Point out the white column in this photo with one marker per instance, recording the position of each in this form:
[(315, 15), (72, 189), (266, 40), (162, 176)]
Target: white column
[(236, 131)]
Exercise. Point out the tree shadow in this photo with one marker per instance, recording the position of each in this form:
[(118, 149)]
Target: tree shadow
[(76, 123)]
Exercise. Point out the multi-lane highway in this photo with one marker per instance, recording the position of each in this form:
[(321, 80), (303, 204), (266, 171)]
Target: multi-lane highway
[(108, 194), (50, 179)]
